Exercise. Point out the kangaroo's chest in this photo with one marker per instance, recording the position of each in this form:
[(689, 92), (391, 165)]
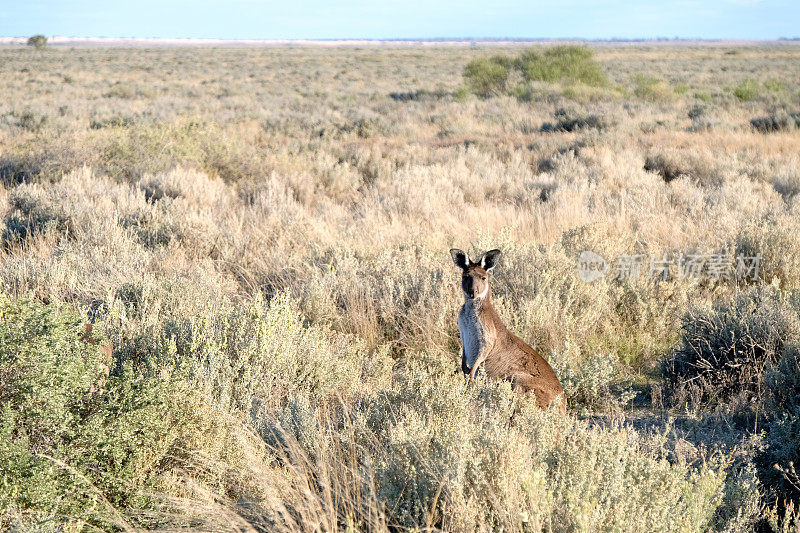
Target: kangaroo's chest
[(473, 334)]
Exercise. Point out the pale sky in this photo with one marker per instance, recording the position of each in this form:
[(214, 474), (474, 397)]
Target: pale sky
[(376, 19)]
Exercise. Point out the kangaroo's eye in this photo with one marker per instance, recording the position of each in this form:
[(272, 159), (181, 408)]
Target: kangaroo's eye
[(483, 278)]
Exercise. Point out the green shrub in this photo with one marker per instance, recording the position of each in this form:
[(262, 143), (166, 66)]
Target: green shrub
[(775, 86), (725, 351), (461, 93), (487, 76), (652, 89), (38, 41), (565, 62), (77, 448), (72, 448), (747, 90)]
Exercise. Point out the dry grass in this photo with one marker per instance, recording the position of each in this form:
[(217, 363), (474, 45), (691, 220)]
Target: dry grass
[(166, 192)]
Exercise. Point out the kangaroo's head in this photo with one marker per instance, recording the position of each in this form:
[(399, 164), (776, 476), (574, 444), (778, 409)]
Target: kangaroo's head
[(475, 275)]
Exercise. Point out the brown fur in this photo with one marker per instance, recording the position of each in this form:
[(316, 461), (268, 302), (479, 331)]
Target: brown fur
[(486, 340)]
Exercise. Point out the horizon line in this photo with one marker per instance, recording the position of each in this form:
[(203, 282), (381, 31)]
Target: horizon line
[(62, 39)]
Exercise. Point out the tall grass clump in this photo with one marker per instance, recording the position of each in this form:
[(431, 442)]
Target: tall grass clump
[(573, 120)]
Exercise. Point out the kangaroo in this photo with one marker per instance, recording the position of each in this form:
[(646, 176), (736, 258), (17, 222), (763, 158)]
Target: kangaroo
[(486, 340)]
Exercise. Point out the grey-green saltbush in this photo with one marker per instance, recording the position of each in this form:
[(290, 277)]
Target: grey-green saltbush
[(725, 351), (593, 383), (81, 451), (69, 446), (782, 457), (254, 356)]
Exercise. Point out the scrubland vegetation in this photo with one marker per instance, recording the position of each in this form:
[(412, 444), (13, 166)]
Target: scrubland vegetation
[(263, 235)]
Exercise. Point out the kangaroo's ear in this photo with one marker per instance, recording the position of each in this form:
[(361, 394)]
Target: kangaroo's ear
[(489, 259), (461, 259)]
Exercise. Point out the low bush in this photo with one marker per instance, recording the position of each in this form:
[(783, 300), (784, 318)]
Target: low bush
[(595, 383), (254, 357), (781, 459), (664, 166), (418, 95), (776, 122), (566, 62), (569, 120), (486, 76), (123, 91), (29, 214), (671, 164), (38, 41), (114, 122), (748, 89), (725, 351), (787, 183), (79, 450), (30, 121), (774, 237), (652, 89), (39, 161)]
